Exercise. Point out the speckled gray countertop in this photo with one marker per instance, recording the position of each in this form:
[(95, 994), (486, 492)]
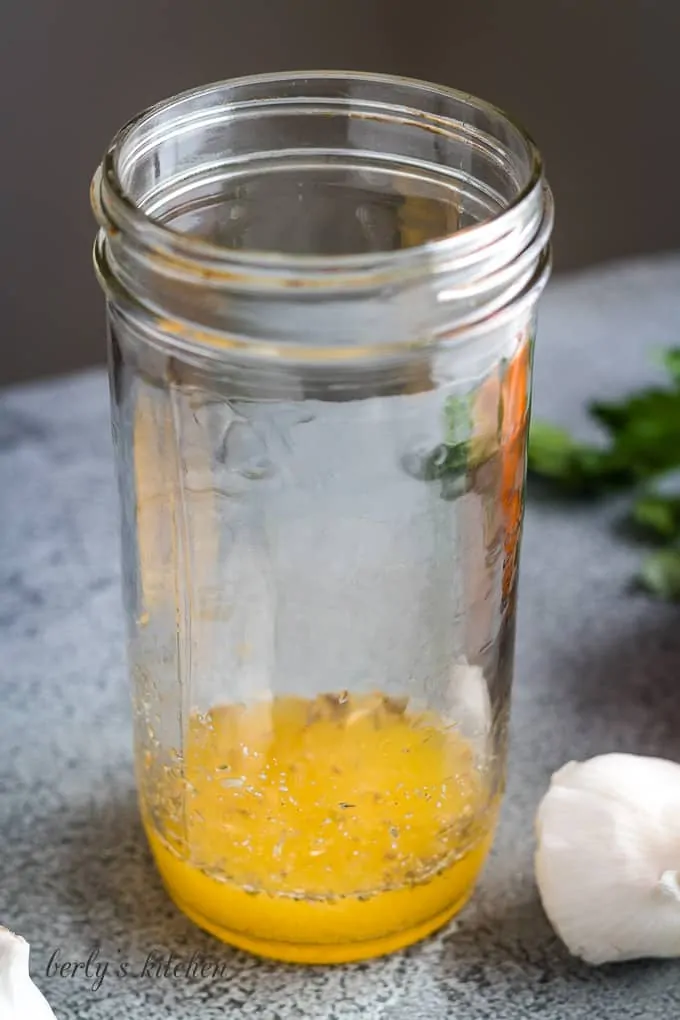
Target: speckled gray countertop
[(597, 670)]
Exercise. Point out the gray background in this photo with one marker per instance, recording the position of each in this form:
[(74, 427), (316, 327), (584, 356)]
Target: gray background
[(597, 671), (596, 82)]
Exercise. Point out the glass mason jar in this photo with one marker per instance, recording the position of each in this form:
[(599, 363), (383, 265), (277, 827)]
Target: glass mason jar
[(321, 294)]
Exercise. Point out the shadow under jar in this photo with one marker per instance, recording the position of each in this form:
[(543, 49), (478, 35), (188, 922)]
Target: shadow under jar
[(321, 294)]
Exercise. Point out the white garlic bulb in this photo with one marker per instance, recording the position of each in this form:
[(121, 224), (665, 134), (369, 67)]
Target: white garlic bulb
[(608, 857), (20, 999)]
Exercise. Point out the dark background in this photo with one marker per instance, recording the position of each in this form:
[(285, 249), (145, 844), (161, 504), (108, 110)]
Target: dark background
[(595, 81)]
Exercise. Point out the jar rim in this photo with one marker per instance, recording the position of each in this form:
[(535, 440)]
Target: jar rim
[(118, 212)]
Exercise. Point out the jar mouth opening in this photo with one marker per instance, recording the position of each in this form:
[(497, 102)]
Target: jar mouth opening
[(352, 94)]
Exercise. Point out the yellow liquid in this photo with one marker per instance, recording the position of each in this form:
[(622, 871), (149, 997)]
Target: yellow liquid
[(326, 830)]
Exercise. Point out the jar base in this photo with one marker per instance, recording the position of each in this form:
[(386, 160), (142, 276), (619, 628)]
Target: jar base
[(320, 954)]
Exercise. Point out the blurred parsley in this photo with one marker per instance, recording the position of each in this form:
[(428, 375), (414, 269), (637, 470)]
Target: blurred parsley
[(460, 453), (641, 451), (450, 459)]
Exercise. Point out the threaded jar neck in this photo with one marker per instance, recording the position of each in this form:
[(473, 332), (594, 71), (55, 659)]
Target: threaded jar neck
[(321, 214)]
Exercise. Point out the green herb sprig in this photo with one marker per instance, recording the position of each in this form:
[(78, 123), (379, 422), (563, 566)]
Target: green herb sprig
[(640, 454)]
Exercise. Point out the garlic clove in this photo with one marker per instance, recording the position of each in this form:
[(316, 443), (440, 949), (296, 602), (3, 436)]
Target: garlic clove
[(20, 999), (607, 857)]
